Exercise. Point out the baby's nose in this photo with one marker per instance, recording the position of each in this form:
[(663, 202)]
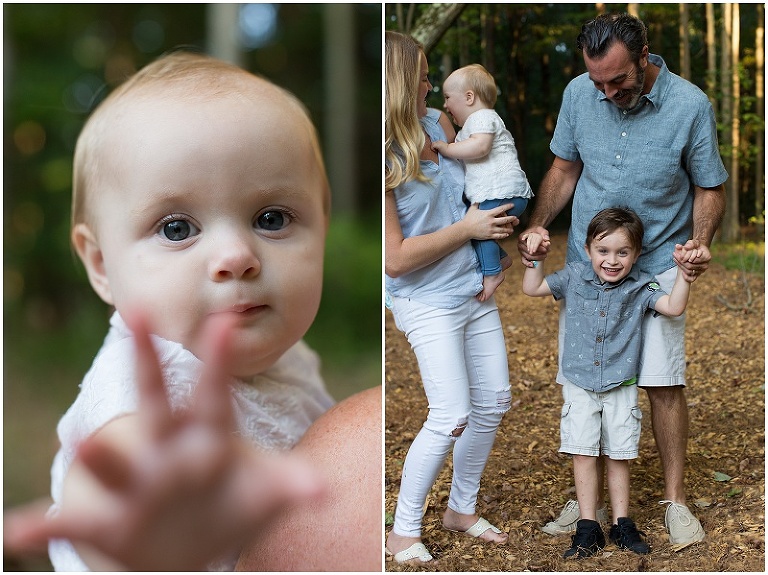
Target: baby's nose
[(234, 258)]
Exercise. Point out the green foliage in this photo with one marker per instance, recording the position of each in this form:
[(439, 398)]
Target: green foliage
[(347, 323), (747, 255)]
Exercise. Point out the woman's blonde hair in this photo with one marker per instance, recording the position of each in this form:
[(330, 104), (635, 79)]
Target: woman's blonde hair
[(403, 134), (189, 75)]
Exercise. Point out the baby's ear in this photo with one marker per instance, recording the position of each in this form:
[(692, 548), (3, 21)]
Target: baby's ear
[(90, 253)]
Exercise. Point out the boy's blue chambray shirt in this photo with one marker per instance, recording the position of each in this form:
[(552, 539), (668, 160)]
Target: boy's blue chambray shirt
[(648, 159), (603, 331), (426, 207)]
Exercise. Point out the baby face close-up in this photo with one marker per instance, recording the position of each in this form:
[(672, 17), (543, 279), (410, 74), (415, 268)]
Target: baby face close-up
[(211, 206)]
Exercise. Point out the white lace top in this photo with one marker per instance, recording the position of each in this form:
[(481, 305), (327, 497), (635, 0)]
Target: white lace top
[(273, 409), (497, 175)]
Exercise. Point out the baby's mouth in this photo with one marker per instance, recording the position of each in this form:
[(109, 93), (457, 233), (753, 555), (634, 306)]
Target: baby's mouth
[(242, 311)]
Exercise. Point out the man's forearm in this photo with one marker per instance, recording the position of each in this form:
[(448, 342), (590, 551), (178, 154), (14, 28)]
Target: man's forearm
[(555, 191), (708, 211)]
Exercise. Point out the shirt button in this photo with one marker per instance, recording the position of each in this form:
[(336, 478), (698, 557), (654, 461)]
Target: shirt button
[(597, 363), (599, 339), (623, 134), (618, 156), (602, 313)]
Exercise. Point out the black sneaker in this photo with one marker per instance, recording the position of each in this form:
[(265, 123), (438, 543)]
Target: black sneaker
[(626, 536), (589, 539)]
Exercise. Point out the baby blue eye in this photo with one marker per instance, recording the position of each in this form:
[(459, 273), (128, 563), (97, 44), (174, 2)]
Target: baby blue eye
[(178, 230), (272, 221)]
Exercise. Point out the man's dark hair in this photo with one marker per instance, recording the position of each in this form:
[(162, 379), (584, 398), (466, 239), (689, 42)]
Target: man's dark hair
[(598, 35)]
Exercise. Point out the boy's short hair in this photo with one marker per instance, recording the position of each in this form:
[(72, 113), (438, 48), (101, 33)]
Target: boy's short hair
[(476, 78), (609, 220), (189, 75)]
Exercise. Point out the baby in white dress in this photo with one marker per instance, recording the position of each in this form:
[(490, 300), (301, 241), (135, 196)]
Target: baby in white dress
[(493, 173), (200, 196)]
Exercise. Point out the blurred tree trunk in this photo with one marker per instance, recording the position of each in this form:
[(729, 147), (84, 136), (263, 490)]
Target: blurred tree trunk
[(223, 32), (729, 70), (633, 10), (760, 111), (685, 46), (340, 98), (405, 24), (446, 66), (733, 204), (488, 21), (463, 40), (515, 87), (711, 57)]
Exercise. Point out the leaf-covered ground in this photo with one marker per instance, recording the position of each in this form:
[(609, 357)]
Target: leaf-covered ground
[(526, 481)]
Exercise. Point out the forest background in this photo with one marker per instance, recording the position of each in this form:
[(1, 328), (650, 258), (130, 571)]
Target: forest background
[(60, 60), (531, 51)]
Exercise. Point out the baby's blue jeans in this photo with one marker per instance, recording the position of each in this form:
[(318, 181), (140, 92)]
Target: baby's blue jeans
[(488, 251)]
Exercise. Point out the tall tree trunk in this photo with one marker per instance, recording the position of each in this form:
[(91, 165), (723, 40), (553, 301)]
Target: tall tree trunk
[(729, 68), (464, 48), (488, 20), (685, 45), (733, 203), (222, 30), (760, 111), (340, 84), (711, 57), (633, 10)]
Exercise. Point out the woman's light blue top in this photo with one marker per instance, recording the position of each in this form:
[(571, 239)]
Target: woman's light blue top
[(426, 207)]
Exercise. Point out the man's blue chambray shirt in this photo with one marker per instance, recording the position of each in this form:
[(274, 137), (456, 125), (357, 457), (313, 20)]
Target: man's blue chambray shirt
[(648, 159), (603, 331), (425, 207)]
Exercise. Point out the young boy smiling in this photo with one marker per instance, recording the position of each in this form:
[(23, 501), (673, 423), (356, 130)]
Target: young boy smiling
[(605, 301)]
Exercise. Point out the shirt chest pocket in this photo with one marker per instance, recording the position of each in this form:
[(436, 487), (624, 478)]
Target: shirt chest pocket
[(586, 300)]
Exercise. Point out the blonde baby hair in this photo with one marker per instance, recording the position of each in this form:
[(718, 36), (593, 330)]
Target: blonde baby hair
[(186, 75), (476, 78)]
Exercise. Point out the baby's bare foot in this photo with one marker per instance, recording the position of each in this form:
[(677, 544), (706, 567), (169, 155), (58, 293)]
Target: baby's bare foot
[(490, 283)]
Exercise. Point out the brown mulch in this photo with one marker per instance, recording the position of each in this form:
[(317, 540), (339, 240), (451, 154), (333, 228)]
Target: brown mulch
[(526, 481)]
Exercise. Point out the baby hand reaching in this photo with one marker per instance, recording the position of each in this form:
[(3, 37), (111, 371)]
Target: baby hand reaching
[(181, 492), (439, 146)]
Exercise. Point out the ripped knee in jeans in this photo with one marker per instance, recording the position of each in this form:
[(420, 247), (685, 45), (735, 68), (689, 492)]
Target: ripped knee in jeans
[(503, 400), (459, 429)]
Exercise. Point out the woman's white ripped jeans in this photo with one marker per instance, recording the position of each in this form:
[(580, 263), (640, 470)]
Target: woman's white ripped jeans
[(463, 363)]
